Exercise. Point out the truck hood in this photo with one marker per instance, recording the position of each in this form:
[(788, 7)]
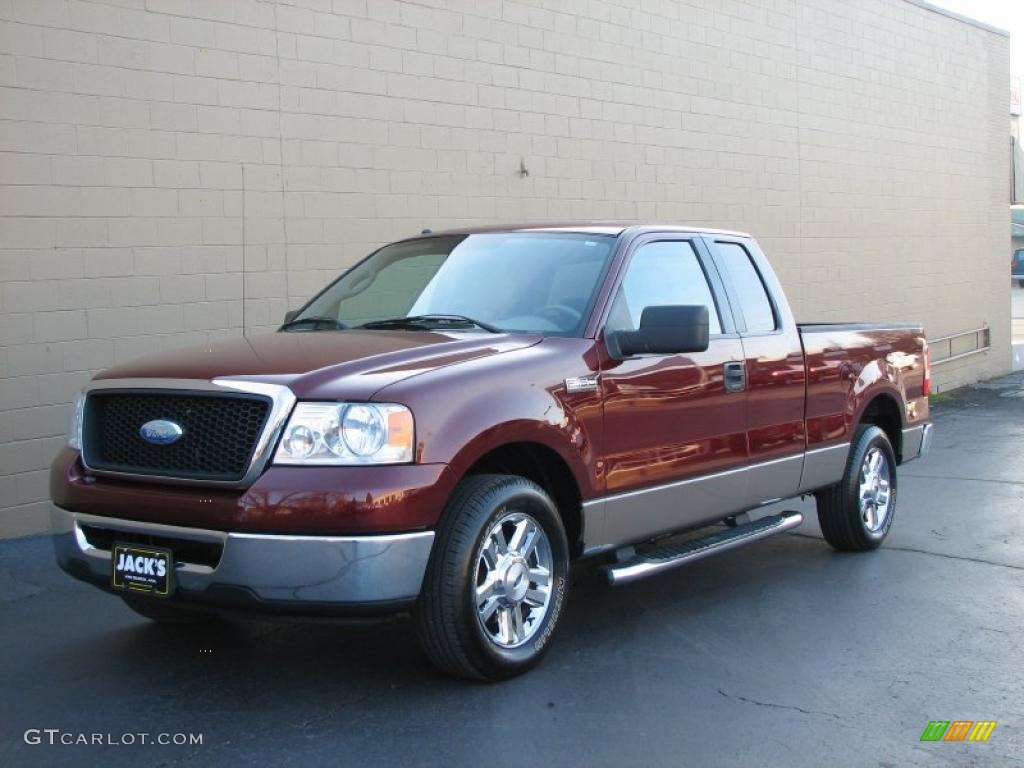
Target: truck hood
[(323, 364)]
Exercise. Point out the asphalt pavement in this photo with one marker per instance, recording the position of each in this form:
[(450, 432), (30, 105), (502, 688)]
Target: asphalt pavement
[(782, 653)]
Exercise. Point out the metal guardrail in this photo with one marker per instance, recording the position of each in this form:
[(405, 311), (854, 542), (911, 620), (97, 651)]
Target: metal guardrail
[(982, 342)]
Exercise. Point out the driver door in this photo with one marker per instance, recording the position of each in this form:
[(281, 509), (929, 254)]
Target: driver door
[(675, 438)]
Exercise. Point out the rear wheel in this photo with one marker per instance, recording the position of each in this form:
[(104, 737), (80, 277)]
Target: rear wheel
[(856, 513), (157, 610), (497, 579)]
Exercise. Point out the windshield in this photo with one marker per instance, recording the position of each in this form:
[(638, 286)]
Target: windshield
[(529, 282)]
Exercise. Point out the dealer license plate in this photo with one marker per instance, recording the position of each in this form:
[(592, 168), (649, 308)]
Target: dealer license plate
[(142, 569)]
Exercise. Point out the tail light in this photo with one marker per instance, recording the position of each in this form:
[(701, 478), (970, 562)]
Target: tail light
[(926, 386)]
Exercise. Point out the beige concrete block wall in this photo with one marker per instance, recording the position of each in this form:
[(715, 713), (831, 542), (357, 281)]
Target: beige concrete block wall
[(173, 172)]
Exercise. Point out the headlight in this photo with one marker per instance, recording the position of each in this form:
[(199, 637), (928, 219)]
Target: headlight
[(75, 422), (347, 433)]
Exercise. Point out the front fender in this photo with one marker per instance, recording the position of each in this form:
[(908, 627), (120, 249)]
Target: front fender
[(464, 411), (530, 415)]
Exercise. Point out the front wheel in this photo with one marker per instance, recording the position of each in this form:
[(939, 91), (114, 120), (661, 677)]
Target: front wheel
[(856, 513), (497, 579)]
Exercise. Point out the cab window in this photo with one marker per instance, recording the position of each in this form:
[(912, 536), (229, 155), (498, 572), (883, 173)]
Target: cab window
[(750, 291), (662, 273)]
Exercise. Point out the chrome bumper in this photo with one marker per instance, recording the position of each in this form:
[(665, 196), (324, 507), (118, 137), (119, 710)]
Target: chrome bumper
[(260, 571), (917, 442)]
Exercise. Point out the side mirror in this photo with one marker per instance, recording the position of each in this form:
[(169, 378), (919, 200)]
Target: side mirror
[(663, 331), (290, 315)]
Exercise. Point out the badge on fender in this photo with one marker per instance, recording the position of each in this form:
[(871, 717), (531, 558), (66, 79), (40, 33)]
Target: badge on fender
[(581, 384)]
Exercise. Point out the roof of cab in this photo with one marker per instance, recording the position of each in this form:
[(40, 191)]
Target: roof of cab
[(586, 228)]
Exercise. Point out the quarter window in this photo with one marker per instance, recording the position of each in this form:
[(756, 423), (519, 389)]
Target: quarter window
[(749, 288), (659, 274)]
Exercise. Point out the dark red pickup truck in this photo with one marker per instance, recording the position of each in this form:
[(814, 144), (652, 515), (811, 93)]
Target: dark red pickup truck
[(450, 423)]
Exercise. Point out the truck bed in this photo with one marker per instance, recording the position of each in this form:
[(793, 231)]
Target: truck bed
[(844, 360)]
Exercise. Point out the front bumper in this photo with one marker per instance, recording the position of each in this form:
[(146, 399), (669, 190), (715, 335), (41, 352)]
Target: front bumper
[(262, 573)]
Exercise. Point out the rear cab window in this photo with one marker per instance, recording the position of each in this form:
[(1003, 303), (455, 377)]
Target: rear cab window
[(748, 287)]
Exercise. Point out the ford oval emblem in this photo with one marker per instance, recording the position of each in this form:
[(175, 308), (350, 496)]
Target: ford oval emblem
[(161, 432)]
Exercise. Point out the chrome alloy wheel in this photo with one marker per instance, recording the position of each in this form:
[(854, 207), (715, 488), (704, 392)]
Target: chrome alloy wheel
[(875, 490), (513, 580)]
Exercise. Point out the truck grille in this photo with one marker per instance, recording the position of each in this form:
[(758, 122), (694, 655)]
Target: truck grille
[(219, 433)]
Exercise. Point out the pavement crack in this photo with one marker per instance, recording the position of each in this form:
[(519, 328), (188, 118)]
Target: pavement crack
[(772, 705), (993, 629), (913, 550), (11, 581), (954, 557), (956, 478)]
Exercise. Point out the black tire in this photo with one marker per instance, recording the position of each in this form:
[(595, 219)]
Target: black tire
[(446, 620), (1020, 283), (156, 609), (839, 510)]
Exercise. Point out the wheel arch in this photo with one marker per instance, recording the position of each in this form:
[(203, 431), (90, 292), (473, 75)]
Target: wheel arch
[(544, 466), (883, 410)]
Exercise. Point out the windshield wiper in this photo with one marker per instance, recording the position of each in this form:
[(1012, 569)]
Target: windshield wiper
[(425, 322), (315, 321)]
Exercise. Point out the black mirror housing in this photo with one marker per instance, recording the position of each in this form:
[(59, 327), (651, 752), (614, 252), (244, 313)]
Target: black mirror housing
[(665, 330), (290, 315)]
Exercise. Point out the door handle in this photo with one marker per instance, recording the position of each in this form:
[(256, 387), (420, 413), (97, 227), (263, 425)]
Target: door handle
[(735, 376)]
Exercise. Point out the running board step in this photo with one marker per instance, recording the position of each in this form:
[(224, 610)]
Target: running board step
[(674, 555)]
